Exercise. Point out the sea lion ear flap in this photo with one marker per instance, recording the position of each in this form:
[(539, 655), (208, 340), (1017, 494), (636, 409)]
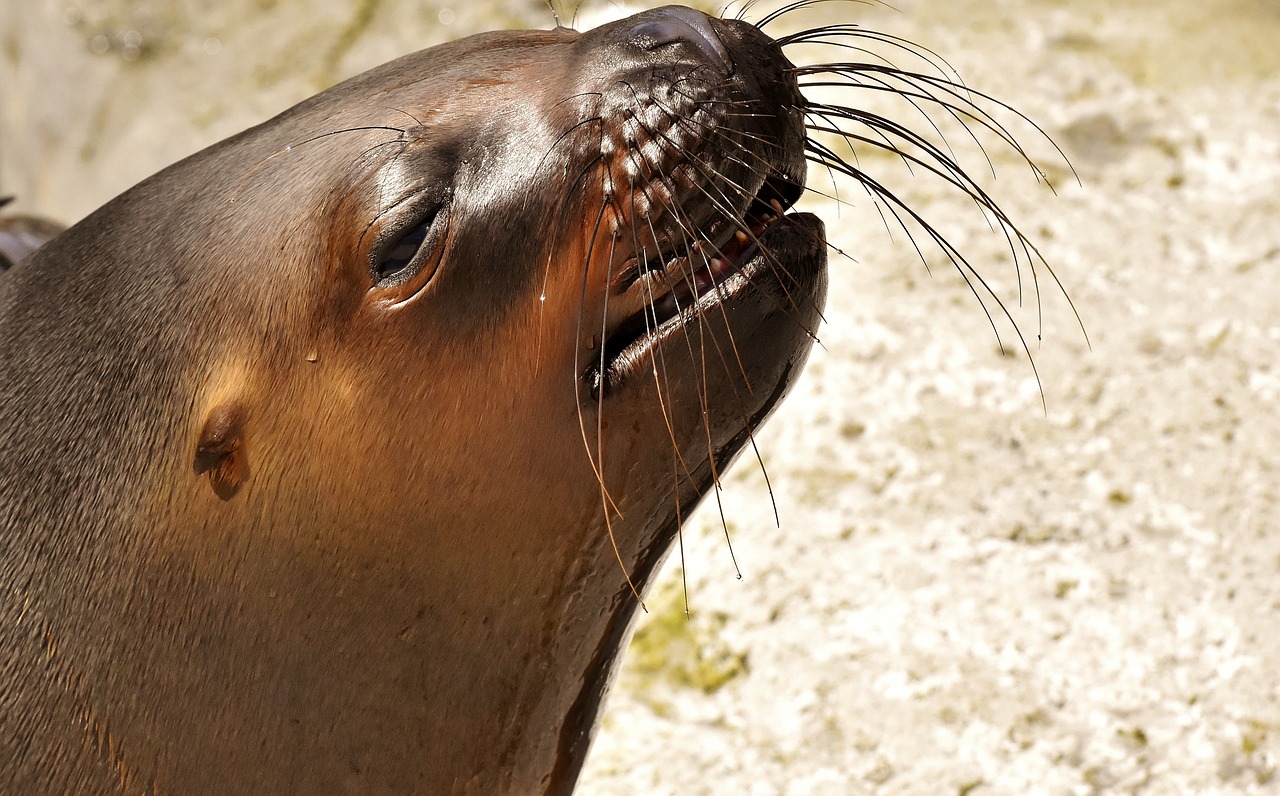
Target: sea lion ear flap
[(220, 451)]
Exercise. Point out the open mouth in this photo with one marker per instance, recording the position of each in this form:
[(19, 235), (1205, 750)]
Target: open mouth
[(687, 277)]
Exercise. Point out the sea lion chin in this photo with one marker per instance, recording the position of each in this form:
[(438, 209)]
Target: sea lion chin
[(336, 456)]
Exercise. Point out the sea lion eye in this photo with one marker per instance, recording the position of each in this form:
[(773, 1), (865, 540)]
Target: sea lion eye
[(396, 257)]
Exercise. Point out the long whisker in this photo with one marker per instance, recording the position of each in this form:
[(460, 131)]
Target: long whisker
[(607, 502), (289, 148), (961, 103), (798, 5)]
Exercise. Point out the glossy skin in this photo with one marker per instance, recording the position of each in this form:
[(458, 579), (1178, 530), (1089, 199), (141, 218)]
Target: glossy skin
[(270, 524)]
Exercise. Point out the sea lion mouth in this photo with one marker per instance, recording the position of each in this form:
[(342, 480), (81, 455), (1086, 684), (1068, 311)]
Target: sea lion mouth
[(685, 280), (696, 137)]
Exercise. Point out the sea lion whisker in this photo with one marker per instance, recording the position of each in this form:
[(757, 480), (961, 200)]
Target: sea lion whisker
[(365, 153), (673, 207), (577, 365), (744, 8), (953, 174), (733, 140), (883, 142), (746, 422), (1015, 238), (756, 138), (878, 203), (764, 471), (688, 228), (703, 397), (289, 148), (972, 277), (659, 362), (797, 5), (567, 196), (691, 250), (604, 332), (816, 36), (705, 404), (881, 123), (914, 101), (417, 122), (570, 97), (617, 553), (659, 358), (773, 171), (563, 199), (783, 277), (677, 88), (834, 197), (767, 146), (692, 283), (941, 165), (963, 103), (840, 32), (733, 342), (692, 78), (684, 569), (649, 307), (711, 453), (562, 137), (597, 464), (711, 102), (823, 155), (681, 151), (710, 175)]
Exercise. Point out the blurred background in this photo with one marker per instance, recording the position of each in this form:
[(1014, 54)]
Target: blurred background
[(983, 582)]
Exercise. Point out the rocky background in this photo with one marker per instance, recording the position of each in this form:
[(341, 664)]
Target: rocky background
[(983, 583)]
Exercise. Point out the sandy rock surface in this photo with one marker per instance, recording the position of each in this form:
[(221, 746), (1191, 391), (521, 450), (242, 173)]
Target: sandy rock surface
[(982, 583)]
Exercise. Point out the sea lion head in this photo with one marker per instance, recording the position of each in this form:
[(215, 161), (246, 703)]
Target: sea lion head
[(555, 261), (382, 413)]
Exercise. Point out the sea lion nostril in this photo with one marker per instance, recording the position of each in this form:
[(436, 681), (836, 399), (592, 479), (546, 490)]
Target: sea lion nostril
[(672, 24)]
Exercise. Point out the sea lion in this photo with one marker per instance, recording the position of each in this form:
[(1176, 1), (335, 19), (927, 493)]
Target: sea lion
[(20, 235), (337, 456)]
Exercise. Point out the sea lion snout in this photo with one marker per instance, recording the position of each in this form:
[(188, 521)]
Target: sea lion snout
[(677, 24), (701, 149)]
